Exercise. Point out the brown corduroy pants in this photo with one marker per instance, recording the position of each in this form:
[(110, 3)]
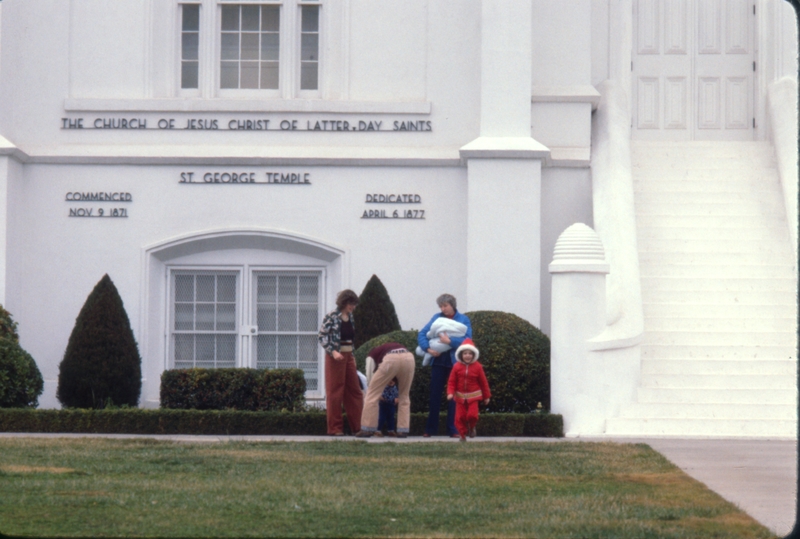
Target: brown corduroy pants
[(342, 387)]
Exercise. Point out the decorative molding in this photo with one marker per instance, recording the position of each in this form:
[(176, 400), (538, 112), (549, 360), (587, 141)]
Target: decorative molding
[(581, 93), (504, 148), (246, 105)]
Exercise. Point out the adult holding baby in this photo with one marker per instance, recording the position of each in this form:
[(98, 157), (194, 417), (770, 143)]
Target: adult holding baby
[(438, 341)]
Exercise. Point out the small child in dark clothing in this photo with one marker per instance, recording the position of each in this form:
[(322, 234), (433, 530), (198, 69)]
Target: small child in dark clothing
[(387, 407)]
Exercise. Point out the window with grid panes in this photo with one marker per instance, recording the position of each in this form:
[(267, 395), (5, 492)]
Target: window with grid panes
[(204, 325), (250, 47), (287, 306), (190, 45), (263, 45)]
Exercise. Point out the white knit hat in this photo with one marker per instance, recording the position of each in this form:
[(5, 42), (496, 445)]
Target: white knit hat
[(467, 345)]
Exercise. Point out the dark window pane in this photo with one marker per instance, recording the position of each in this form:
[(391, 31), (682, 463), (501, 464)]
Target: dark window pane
[(230, 18), (310, 18), (308, 76), (191, 18), (189, 46), (250, 46), (249, 75), (270, 18), (269, 75), (250, 18), (270, 46), (189, 75), (230, 47), (309, 47), (229, 75)]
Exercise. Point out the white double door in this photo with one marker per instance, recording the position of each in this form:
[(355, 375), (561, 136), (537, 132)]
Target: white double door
[(693, 69)]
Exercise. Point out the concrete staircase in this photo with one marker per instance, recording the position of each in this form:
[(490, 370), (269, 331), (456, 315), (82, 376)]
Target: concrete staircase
[(719, 293)]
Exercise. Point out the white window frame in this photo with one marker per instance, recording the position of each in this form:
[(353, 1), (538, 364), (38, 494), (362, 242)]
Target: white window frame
[(289, 59), (246, 310)]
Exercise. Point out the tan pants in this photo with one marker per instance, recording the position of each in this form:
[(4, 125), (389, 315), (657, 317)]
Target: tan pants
[(394, 365)]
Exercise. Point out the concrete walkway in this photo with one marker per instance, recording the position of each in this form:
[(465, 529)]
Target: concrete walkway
[(758, 475)]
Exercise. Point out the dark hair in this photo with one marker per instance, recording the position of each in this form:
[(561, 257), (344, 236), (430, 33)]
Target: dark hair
[(346, 297), (445, 299)]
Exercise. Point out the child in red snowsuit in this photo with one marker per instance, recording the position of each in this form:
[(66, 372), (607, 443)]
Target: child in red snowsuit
[(468, 386)]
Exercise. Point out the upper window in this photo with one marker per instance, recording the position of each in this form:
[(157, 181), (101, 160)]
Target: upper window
[(269, 47)]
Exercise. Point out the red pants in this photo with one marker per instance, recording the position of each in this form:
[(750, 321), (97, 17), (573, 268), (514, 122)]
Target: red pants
[(342, 387), (466, 416)]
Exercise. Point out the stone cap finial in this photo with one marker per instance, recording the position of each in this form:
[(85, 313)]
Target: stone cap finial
[(579, 249)]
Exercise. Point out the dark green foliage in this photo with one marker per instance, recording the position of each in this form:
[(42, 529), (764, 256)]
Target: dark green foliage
[(514, 354), (101, 364), (8, 328), (236, 389), (421, 387), (516, 359), (20, 380), (375, 314), (234, 422)]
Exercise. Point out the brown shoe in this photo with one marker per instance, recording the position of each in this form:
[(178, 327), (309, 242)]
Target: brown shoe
[(391, 434), (462, 438), (402, 435), (456, 436), (377, 434), (337, 434), (473, 432), (364, 434), (426, 435)]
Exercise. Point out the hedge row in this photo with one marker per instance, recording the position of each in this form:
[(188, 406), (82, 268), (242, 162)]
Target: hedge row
[(232, 422), (237, 389)]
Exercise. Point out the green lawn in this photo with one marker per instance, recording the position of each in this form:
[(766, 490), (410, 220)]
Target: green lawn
[(89, 487)]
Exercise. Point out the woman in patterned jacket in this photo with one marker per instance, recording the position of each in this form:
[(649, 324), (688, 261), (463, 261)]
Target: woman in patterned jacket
[(341, 377)]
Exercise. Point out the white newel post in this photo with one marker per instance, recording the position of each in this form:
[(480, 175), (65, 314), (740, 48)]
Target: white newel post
[(577, 376), (504, 171)]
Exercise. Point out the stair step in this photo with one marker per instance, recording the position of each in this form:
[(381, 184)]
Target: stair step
[(768, 248), (678, 196), (667, 293), (754, 207), (700, 311), (744, 271), (719, 352), (677, 367), (649, 258), (711, 284), (689, 232), (770, 222), (748, 396), (720, 338), (771, 412), (718, 381), (677, 323), (722, 183), (701, 427)]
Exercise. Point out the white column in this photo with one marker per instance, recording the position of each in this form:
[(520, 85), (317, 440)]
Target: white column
[(504, 170), (578, 310)]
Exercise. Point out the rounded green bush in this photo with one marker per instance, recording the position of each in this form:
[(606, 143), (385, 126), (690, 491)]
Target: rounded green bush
[(516, 359), (20, 380), (515, 356), (8, 328), (421, 386)]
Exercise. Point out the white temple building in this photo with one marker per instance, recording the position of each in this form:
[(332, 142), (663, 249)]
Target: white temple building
[(253, 158)]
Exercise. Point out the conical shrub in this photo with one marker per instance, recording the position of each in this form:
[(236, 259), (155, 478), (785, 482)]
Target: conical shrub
[(375, 314), (101, 365)]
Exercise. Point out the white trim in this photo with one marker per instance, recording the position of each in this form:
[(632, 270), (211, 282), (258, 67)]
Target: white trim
[(581, 93), (245, 105)]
